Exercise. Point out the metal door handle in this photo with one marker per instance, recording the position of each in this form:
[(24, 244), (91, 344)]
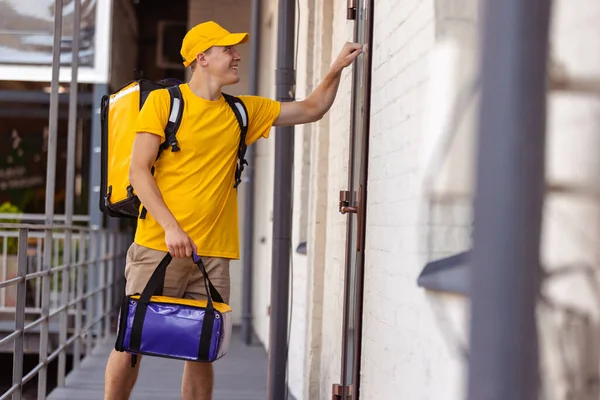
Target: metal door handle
[(348, 209)]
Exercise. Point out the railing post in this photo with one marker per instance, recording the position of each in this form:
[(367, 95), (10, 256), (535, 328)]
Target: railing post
[(64, 300), (4, 269), (102, 285), (20, 314), (49, 205), (79, 306), (108, 299), (91, 280), (69, 195)]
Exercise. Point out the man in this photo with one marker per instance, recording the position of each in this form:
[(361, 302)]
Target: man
[(190, 200)]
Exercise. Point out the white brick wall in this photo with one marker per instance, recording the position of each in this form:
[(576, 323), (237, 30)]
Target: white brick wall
[(405, 352), (335, 222), (318, 207), (571, 232), (413, 340), (302, 139)]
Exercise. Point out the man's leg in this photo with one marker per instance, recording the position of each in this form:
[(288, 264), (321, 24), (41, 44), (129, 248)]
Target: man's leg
[(197, 382), (120, 376), (198, 378)]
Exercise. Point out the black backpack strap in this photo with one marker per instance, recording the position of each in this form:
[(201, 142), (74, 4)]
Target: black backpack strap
[(173, 123), (175, 115), (241, 114)]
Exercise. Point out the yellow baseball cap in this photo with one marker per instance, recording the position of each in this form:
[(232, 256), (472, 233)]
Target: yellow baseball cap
[(206, 35)]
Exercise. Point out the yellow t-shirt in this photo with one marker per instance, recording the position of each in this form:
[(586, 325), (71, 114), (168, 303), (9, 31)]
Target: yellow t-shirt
[(197, 182)]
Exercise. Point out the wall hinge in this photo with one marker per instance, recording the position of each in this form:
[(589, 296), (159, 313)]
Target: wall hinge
[(351, 13), (337, 392), (345, 206)]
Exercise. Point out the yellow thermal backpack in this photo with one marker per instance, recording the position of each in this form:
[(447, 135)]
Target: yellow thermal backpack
[(119, 111)]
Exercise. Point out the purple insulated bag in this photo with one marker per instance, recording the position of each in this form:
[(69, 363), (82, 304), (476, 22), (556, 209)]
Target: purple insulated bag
[(185, 329)]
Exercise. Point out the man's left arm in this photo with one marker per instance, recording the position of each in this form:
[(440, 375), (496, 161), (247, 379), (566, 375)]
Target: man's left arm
[(314, 107)]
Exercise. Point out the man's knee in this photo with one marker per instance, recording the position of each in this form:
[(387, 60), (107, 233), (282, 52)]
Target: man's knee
[(121, 359), (120, 376), (198, 368), (197, 381)]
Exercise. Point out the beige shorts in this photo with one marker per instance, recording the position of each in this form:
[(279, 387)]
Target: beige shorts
[(183, 278)]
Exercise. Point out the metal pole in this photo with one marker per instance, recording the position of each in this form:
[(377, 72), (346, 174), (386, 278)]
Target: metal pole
[(96, 219), (282, 208), (49, 206), (70, 189), (108, 282), (77, 345), (508, 206), (249, 185), (20, 313)]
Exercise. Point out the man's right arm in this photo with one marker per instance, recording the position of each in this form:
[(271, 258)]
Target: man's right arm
[(145, 148)]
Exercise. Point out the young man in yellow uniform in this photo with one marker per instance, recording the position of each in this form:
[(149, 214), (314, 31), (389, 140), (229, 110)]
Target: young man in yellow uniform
[(191, 202)]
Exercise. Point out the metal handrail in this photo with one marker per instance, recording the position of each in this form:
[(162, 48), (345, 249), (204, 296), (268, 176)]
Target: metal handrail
[(42, 217), (92, 308)]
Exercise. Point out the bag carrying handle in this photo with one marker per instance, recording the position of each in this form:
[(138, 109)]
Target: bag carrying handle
[(158, 276)]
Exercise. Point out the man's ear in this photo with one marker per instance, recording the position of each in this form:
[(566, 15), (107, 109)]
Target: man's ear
[(201, 59)]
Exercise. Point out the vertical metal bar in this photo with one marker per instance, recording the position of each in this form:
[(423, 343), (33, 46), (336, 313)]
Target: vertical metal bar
[(282, 208), (49, 206), (89, 309), (79, 306), (92, 279), (117, 275), (73, 271), (70, 188), (249, 185), (96, 219), (55, 263), (64, 299), (351, 246), (89, 304), (20, 314), (109, 274), (102, 282), (508, 205), (4, 268), (38, 267), (369, 9)]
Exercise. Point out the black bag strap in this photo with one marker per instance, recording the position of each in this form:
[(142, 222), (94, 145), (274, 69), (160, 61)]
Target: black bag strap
[(209, 313), (241, 114), (155, 281), (155, 284), (175, 116), (212, 291)]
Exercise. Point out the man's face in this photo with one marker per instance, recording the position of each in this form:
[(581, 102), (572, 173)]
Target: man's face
[(222, 64)]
